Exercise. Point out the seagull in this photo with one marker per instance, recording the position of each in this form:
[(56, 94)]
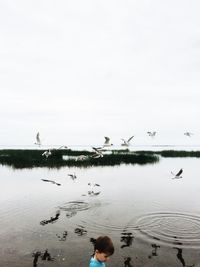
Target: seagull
[(151, 134), (81, 157), (178, 175), (91, 192), (93, 184), (72, 176), (50, 181), (38, 141), (47, 153), (97, 152), (189, 134), (62, 147), (126, 142), (107, 141)]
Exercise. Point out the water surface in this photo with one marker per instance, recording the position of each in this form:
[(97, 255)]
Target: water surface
[(154, 220)]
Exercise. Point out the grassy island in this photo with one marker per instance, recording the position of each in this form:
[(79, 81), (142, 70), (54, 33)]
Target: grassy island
[(33, 158), (24, 158)]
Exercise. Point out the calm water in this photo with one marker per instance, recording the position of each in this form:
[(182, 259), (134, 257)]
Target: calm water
[(154, 220)]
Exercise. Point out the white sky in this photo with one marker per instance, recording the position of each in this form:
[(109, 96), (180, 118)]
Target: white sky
[(77, 71)]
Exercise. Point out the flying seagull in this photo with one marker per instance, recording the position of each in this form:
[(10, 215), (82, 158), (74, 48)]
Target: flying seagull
[(93, 185), (126, 142), (38, 141), (151, 134), (97, 153), (50, 181), (47, 153), (92, 192), (178, 175), (81, 157), (107, 142), (62, 147), (189, 134), (72, 176)]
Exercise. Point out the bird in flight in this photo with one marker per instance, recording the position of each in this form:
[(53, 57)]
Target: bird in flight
[(38, 141), (93, 185), (50, 181), (81, 157), (92, 191), (107, 142), (47, 153), (126, 142), (178, 175), (152, 134), (97, 152), (189, 134), (72, 176), (62, 147)]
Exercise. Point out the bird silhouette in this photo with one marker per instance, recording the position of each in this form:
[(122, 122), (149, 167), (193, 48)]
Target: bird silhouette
[(126, 142), (38, 141), (151, 134), (47, 153), (178, 174), (107, 142), (189, 134)]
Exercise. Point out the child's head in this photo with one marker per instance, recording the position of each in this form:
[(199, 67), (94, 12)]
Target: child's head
[(103, 248)]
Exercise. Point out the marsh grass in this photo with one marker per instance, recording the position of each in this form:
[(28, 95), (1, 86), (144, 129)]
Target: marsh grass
[(33, 158), (173, 153)]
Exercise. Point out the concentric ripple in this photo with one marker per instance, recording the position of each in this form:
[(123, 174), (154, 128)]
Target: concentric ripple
[(75, 206), (173, 229)]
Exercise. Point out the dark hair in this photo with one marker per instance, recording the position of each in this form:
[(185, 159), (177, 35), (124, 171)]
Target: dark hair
[(104, 244)]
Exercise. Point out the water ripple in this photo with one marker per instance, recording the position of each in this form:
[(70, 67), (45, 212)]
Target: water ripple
[(173, 229)]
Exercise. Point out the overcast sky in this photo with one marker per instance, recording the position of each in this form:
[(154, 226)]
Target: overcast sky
[(79, 70)]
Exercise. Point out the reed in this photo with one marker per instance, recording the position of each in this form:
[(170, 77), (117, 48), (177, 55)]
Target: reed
[(33, 158)]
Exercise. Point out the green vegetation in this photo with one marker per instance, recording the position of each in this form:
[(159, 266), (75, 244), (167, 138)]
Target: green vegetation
[(60, 158)]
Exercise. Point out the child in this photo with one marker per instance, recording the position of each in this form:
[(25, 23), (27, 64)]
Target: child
[(103, 248)]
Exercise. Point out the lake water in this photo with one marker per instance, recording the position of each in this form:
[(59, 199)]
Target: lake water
[(153, 220)]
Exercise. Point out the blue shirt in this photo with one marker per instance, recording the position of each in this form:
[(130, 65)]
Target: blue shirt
[(96, 263)]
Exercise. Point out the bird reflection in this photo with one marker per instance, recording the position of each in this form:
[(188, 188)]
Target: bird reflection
[(180, 253), (47, 256), (63, 237), (127, 238), (93, 194), (80, 231), (44, 256), (154, 250), (93, 241), (71, 213), (36, 256), (127, 262), (52, 219)]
